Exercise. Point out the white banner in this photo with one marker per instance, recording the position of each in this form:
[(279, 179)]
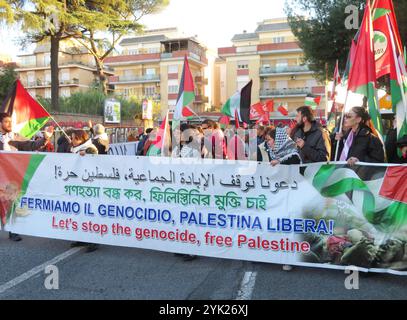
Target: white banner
[(225, 209)]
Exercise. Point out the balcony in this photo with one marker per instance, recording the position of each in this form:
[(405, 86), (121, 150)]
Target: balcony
[(266, 71), (147, 78), (287, 92), (44, 84)]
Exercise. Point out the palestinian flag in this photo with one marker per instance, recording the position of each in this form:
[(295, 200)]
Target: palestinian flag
[(336, 81), (398, 85), (379, 196), (186, 94), (331, 123), (16, 172), (240, 101), (313, 101), (362, 77), (381, 9), (27, 114), (160, 147)]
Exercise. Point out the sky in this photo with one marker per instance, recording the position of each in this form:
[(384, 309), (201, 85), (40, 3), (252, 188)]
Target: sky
[(213, 21)]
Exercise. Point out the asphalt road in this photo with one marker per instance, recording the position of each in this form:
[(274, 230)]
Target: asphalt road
[(123, 273)]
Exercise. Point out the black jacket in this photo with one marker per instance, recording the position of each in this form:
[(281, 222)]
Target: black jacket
[(317, 146), (366, 147), (63, 145), (101, 145)]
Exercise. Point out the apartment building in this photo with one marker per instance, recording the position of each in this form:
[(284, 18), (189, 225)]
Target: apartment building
[(77, 70), (150, 67), (272, 58)]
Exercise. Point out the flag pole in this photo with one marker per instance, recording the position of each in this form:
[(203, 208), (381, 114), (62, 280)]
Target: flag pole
[(341, 125), (52, 118), (165, 132)]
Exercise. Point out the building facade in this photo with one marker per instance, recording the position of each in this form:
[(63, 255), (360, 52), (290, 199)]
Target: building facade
[(150, 67), (77, 70), (272, 58)]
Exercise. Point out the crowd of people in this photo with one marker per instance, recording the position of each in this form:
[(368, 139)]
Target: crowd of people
[(306, 142)]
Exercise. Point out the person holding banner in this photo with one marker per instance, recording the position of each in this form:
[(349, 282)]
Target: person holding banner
[(82, 144), (360, 143), (10, 141), (100, 138)]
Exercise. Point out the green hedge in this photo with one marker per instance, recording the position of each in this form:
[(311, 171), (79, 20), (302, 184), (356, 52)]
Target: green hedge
[(92, 102)]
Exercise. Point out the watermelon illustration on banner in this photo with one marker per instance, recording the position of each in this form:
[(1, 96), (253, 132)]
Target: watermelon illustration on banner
[(27, 114), (381, 197), (15, 180)]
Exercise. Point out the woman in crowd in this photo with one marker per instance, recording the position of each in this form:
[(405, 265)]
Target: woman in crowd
[(360, 143)]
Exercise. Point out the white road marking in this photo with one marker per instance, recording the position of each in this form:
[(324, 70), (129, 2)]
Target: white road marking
[(247, 286), (33, 272)]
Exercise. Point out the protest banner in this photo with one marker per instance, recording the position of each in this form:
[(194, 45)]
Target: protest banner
[(319, 215)]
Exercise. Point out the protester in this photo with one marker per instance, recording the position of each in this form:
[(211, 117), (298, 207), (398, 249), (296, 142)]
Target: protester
[(10, 141), (82, 144), (100, 138), (311, 139), (214, 140), (391, 144), (64, 141), (282, 149), (263, 148), (261, 130), (143, 139), (48, 147), (360, 144)]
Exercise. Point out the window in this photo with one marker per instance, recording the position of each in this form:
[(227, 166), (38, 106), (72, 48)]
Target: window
[(47, 78), (32, 93), (28, 61), (150, 72), (47, 94), (31, 78), (242, 81), (173, 89), (283, 84), (65, 75), (243, 65), (278, 39), (153, 50), (281, 64), (173, 69), (149, 91), (47, 59), (173, 86)]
